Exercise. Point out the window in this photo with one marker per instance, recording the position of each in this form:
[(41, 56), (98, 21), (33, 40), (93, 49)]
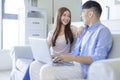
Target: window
[(9, 37)]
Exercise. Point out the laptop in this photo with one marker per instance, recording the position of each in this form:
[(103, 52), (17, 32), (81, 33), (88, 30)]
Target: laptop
[(41, 51)]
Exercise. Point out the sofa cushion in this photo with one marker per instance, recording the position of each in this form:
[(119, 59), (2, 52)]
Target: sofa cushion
[(22, 64), (115, 51), (105, 70)]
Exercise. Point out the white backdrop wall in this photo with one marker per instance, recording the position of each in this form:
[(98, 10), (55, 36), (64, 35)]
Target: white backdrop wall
[(46, 4), (52, 5), (114, 9), (0, 22), (75, 6)]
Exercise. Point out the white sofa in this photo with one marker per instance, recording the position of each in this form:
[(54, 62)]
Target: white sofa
[(99, 70), (5, 60), (21, 58), (107, 69)]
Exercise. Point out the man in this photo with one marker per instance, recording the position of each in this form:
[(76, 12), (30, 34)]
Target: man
[(94, 43)]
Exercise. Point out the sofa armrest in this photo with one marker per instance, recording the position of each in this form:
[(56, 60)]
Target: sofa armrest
[(105, 70), (5, 60), (22, 52), (21, 58)]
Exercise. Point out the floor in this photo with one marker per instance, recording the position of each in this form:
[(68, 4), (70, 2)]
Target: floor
[(4, 75)]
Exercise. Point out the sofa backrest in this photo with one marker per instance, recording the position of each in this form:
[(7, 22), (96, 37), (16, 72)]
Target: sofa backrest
[(115, 51), (22, 51)]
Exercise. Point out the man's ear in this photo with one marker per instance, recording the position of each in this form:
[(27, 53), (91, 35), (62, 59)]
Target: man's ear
[(91, 13)]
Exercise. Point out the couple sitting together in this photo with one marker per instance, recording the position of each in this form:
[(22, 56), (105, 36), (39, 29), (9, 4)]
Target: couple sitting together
[(94, 42)]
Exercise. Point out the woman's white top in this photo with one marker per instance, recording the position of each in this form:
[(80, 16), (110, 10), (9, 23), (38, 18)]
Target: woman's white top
[(60, 46)]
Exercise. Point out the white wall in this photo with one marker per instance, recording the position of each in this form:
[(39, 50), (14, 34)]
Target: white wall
[(113, 25), (73, 5), (0, 21), (52, 5), (47, 4), (114, 9), (115, 12)]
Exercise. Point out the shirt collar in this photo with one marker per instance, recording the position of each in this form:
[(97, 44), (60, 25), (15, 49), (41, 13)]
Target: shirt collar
[(94, 26)]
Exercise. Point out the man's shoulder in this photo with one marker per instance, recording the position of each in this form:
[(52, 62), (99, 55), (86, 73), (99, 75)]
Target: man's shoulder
[(103, 27)]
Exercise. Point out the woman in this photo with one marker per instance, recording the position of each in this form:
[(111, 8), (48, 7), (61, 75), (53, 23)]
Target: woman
[(63, 33), (59, 39)]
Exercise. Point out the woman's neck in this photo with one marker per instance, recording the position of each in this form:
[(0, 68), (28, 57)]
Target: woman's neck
[(62, 30)]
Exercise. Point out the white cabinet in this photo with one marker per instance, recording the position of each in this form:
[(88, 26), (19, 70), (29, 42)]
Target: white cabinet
[(32, 23)]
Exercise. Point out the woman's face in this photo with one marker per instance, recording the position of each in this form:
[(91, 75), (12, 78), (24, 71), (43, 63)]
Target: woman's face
[(65, 18)]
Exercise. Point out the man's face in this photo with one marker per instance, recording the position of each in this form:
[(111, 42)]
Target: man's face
[(86, 16)]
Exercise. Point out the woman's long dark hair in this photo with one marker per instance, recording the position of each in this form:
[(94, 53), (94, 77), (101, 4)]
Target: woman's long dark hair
[(58, 23)]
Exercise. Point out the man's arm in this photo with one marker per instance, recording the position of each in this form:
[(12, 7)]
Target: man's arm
[(80, 59)]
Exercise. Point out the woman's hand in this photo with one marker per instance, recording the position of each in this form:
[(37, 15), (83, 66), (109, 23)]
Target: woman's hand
[(55, 55), (62, 58), (79, 31)]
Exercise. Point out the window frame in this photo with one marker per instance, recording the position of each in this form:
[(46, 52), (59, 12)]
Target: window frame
[(5, 16)]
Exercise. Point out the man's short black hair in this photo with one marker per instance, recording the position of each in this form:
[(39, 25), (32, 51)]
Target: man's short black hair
[(93, 4)]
